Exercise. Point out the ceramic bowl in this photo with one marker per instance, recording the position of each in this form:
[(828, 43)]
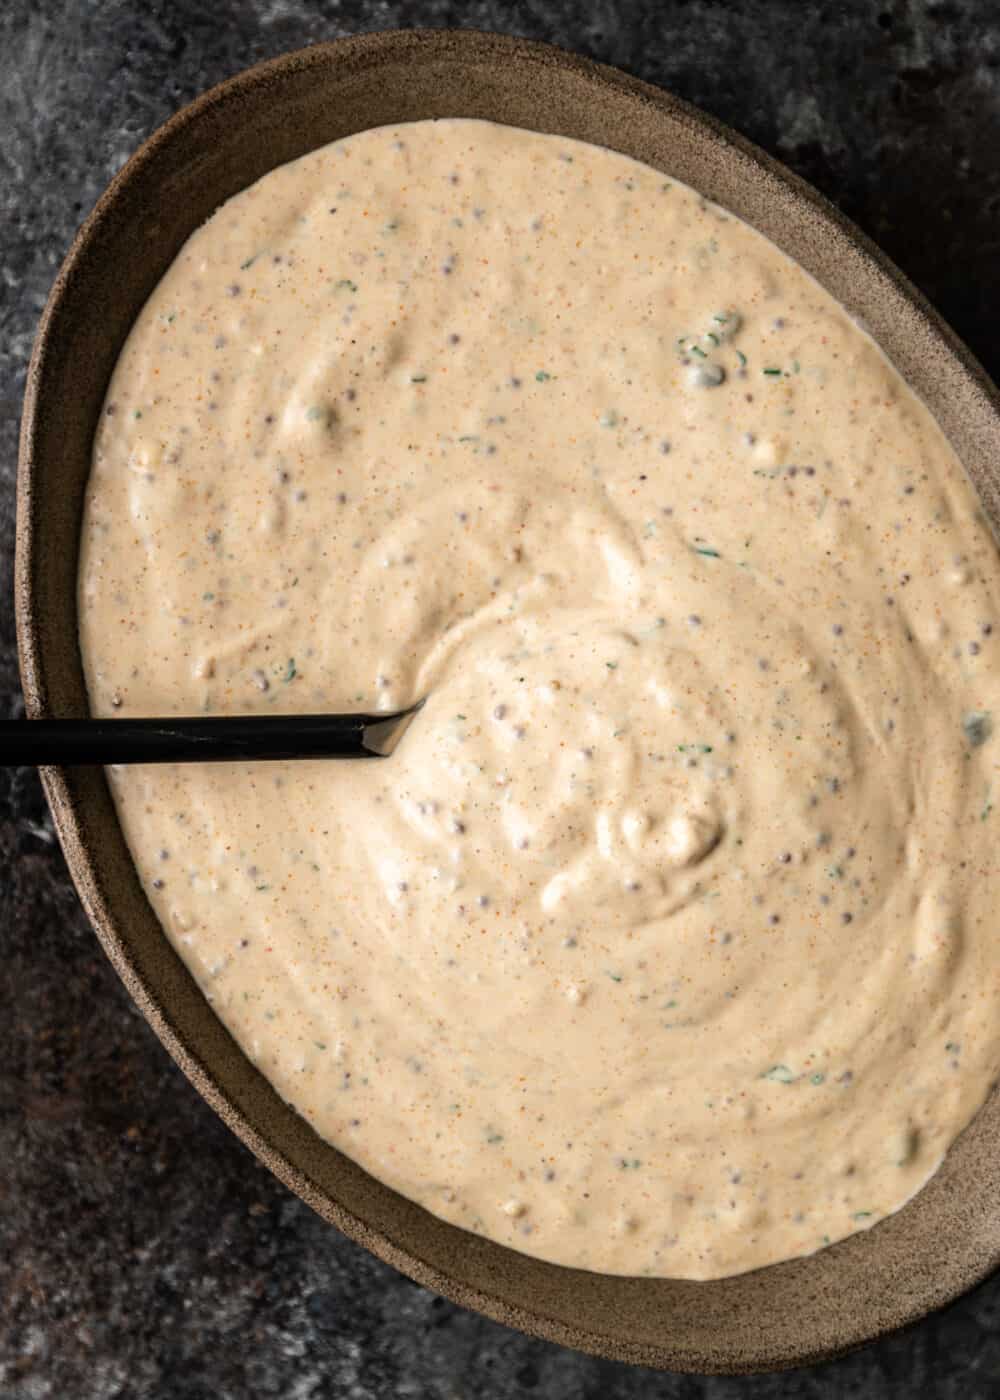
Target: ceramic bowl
[(948, 1237)]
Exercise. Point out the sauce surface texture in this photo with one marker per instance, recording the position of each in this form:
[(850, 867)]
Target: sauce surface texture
[(666, 942)]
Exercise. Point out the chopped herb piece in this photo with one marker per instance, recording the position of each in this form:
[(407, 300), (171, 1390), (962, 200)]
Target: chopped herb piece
[(708, 553), (542, 376), (710, 335), (418, 379), (611, 665), (346, 282), (615, 976), (817, 1078), (320, 1044), (742, 359), (697, 350), (771, 370), (290, 671), (249, 262), (978, 726), (861, 1215), (779, 1074)]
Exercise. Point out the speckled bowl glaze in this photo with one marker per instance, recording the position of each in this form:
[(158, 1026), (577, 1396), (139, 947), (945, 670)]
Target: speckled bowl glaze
[(948, 1237)]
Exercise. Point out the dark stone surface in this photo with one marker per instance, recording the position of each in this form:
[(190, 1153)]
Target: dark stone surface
[(142, 1251)]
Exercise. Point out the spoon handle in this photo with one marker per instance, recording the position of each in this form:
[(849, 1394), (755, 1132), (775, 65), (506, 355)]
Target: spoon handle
[(65, 742)]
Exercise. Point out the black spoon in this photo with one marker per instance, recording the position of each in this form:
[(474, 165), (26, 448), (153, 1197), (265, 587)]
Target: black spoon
[(66, 742)]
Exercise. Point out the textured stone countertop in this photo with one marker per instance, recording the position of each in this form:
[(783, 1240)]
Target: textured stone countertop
[(143, 1253)]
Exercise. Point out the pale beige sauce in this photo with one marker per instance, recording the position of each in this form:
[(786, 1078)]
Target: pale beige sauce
[(666, 942)]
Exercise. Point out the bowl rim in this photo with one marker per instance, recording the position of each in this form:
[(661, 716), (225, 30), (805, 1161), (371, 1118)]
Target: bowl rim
[(333, 57)]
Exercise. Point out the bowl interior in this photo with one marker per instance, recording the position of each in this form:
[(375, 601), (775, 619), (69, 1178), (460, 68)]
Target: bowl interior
[(943, 1241)]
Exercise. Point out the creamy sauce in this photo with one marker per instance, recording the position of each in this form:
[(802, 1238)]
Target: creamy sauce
[(666, 943)]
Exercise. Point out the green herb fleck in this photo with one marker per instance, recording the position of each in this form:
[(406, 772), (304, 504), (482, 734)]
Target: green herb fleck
[(697, 350), (720, 319), (611, 665), (779, 1074), (542, 376), (817, 1078), (460, 717), (771, 370), (249, 262), (346, 282), (418, 379), (710, 335), (694, 748), (290, 671), (261, 887), (862, 1215), (977, 726), (708, 553), (137, 413), (208, 597), (320, 1044), (742, 359), (615, 976)]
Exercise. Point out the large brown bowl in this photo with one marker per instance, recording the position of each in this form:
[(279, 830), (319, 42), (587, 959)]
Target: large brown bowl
[(948, 1237)]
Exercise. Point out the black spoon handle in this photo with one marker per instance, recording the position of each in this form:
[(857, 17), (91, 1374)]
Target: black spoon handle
[(200, 740)]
